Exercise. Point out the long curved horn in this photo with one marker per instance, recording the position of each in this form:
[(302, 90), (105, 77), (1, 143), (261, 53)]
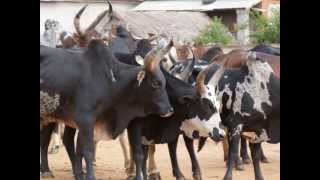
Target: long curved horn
[(153, 58), (76, 20), (100, 17), (217, 75), (213, 81), (201, 88), (188, 70), (172, 59)]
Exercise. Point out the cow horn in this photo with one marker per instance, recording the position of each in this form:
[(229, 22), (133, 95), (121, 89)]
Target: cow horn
[(217, 75), (76, 20), (172, 59), (154, 57), (200, 80), (100, 17), (188, 70)]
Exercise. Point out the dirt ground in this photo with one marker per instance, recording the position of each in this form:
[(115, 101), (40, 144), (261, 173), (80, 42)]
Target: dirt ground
[(110, 162)]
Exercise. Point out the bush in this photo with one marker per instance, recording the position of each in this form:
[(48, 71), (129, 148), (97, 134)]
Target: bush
[(215, 32), (265, 30)]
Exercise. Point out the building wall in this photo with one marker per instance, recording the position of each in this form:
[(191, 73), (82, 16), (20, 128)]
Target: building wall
[(229, 18), (64, 12), (265, 5)]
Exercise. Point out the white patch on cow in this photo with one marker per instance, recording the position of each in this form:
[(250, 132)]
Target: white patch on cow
[(139, 60), (225, 76), (112, 76), (228, 91), (237, 131), (41, 81), (259, 73), (144, 141), (195, 124), (48, 104)]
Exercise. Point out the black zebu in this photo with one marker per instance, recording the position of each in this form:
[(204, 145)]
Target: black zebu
[(91, 90), (137, 48)]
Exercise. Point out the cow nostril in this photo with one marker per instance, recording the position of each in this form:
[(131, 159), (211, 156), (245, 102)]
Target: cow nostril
[(221, 136)]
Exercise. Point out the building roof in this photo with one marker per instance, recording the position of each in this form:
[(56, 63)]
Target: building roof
[(179, 25), (194, 5), (93, 1)]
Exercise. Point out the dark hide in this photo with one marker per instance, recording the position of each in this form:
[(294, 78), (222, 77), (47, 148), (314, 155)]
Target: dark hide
[(266, 49), (94, 87), (211, 53)]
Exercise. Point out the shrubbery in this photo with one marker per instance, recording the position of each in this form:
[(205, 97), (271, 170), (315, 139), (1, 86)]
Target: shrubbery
[(215, 32), (265, 30)]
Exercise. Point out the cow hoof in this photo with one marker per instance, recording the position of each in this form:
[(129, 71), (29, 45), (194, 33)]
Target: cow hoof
[(239, 167), (197, 177), (131, 177), (227, 178), (90, 177), (246, 160), (259, 178), (47, 175), (181, 178), (265, 160), (154, 176), (54, 150), (79, 177)]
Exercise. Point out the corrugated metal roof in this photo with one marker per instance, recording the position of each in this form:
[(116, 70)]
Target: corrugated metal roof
[(179, 25), (93, 1), (185, 5)]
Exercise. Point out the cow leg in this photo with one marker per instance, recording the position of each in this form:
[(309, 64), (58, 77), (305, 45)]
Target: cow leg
[(134, 133), (195, 164), (55, 140), (131, 170), (174, 161), (256, 157), (78, 173), (123, 139), (68, 141), (145, 158), (94, 152), (153, 171), (239, 164), (234, 138), (85, 147), (225, 149), (45, 136), (244, 151), (264, 159)]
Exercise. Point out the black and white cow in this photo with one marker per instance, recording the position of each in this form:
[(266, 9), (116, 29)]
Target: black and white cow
[(250, 98), (202, 119), (93, 92)]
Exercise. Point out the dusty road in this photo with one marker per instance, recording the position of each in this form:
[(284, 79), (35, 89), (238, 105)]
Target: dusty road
[(110, 163)]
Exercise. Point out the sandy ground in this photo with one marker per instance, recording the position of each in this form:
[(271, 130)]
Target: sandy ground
[(110, 163)]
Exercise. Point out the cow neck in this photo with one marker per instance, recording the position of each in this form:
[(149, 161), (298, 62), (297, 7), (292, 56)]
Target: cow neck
[(125, 80)]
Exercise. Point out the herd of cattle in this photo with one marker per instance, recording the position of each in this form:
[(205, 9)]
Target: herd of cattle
[(150, 91)]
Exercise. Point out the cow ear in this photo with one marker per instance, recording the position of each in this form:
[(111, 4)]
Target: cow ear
[(139, 60), (186, 99), (141, 75)]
